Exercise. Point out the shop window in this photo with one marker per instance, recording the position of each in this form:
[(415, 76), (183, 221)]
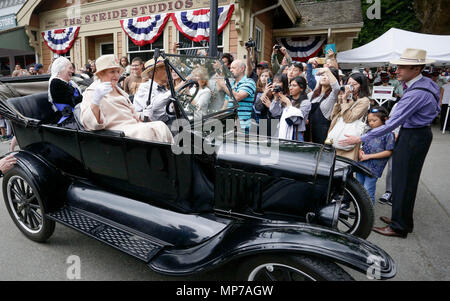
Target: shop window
[(258, 39), (5, 68), (188, 47), (106, 48), (66, 55), (25, 61), (144, 52)]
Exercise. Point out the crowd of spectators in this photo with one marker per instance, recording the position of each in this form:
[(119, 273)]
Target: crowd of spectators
[(301, 101), (308, 100)]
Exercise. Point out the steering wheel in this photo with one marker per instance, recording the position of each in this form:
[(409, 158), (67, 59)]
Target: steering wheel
[(184, 98)]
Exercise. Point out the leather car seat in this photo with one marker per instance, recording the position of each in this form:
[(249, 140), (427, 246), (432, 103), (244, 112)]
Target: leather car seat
[(34, 106)]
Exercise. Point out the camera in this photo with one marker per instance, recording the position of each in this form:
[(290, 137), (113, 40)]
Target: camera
[(250, 44), (277, 47), (276, 89), (350, 88)]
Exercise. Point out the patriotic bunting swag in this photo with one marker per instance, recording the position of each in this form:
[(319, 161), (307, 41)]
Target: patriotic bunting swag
[(194, 24), (61, 40), (303, 49), (145, 30)]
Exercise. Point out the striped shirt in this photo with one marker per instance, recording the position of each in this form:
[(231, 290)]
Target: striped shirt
[(245, 108)]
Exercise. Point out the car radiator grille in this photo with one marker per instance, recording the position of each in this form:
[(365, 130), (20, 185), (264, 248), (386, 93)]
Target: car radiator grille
[(236, 189)]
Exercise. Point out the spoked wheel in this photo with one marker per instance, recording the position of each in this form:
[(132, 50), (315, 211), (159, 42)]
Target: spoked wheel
[(356, 216), (290, 268), (25, 206)]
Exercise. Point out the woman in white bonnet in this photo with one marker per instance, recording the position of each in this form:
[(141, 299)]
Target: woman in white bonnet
[(106, 106), (63, 93)]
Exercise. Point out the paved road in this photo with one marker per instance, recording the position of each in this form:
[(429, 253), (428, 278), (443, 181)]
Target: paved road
[(423, 255)]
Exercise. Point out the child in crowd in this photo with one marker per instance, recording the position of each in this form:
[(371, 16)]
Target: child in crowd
[(376, 152)]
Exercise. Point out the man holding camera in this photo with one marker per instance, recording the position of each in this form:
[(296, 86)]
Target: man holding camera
[(252, 71), (415, 112), (287, 60)]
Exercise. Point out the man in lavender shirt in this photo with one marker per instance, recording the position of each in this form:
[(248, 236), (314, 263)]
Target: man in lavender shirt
[(415, 112)]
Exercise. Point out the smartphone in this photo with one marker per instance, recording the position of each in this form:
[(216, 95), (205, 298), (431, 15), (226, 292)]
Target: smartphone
[(330, 46), (269, 81)]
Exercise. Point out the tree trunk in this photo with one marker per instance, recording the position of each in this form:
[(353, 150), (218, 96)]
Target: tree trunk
[(434, 16)]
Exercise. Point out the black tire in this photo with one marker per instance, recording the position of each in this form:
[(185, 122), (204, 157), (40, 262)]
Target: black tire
[(357, 210), (276, 267), (25, 206)]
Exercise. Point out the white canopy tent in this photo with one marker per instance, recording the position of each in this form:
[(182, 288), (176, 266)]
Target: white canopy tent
[(391, 45)]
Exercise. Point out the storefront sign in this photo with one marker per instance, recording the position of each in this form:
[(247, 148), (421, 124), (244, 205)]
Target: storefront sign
[(131, 12), (7, 22)]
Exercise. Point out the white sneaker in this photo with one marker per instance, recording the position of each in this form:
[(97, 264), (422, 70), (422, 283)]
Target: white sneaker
[(386, 199)]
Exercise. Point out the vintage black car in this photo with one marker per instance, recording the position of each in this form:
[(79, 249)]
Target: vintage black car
[(279, 209)]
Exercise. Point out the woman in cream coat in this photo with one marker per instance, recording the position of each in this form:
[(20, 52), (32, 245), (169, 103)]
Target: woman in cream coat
[(352, 106), (107, 107)]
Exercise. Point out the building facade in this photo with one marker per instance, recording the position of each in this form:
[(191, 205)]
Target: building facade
[(14, 46), (100, 29)]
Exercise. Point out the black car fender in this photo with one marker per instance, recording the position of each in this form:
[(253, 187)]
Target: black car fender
[(51, 185), (251, 238), (342, 163)]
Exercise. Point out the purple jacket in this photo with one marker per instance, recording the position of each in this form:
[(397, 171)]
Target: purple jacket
[(416, 109)]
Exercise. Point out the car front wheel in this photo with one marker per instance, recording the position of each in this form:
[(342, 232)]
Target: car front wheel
[(290, 268), (25, 206), (356, 216)]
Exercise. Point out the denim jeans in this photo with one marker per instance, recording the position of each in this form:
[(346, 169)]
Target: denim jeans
[(370, 184), (300, 137)]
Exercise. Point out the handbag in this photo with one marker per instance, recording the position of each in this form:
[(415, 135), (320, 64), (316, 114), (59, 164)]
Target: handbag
[(342, 128)]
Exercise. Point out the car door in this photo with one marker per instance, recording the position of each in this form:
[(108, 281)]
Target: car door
[(147, 171)]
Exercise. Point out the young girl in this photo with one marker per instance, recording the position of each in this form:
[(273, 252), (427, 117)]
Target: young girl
[(264, 81), (376, 152)]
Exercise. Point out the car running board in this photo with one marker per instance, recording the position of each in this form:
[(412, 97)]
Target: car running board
[(125, 241)]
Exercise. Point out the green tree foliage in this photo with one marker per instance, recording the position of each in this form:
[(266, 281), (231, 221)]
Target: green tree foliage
[(394, 13)]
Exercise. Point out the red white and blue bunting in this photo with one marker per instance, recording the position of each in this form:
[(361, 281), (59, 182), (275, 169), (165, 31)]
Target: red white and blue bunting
[(304, 48), (194, 24), (145, 30), (61, 40)]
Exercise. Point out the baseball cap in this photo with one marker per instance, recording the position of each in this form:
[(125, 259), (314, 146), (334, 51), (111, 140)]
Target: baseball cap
[(37, 67), (264, 65)]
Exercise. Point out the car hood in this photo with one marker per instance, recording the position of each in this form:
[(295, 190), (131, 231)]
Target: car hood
[(281, 158)]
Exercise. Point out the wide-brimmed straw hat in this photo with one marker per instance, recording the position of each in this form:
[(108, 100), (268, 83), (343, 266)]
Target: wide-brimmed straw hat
[(150, 66), (106, 62), (413, 57)]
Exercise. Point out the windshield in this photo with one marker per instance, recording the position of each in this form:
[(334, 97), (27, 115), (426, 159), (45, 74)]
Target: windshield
[(212, 77)]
